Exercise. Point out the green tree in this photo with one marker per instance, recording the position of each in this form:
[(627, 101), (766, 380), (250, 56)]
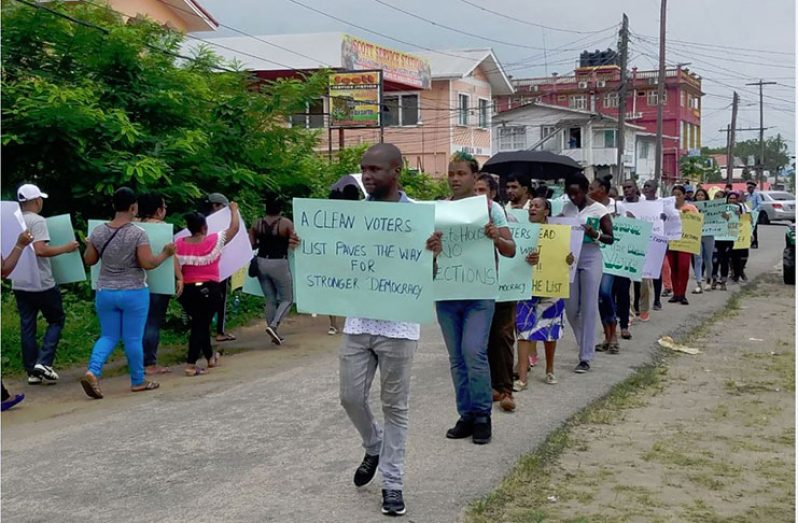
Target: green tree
[(700, 168), (776, 152), (86, 110)]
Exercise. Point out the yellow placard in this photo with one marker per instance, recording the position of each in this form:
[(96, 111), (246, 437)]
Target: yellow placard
[(550, 277), (238, 277), (692, 222), (746, 231)]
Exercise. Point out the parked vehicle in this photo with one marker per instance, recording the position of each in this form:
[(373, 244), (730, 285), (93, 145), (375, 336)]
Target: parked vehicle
[(789, 255), (776, 206)]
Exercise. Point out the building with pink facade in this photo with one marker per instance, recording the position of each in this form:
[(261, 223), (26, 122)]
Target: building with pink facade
[(595, 89), (432, 103)]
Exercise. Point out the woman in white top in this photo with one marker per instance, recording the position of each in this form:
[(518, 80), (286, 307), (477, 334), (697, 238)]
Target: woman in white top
[(581, 307)]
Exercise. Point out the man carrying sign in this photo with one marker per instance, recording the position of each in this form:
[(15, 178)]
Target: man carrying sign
[(41, 296), (389, 345)]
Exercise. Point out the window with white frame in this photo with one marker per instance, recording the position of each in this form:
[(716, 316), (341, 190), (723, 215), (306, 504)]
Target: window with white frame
[(312, 118), (512, 138), (651, 98), (611, 100), (574, 138), (608, 139), (463, 102), (642, 150), (578, 101), (400, 110), (550, 144), (484, 114)]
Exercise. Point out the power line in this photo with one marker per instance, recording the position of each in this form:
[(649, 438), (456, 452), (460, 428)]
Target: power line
[(455, 30), (533, 24), (727, 47)]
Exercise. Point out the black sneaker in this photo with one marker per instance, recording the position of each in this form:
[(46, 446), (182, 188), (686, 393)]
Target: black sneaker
[(482, 431), (657, 306), (365, 472), (462, 429), (582, 367), (393, 504)]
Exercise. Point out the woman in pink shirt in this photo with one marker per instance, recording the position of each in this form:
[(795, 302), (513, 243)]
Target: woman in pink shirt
[(199, 256)]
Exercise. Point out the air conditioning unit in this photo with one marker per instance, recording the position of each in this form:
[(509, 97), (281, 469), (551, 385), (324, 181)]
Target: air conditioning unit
[(652, 81), (601, 83), (582, 85)]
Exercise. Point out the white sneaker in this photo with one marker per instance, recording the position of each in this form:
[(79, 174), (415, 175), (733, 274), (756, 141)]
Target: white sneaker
[(551, 379), (698, 290), (332, 331), (45, 372), (276, 339), (34, 380), (519, 385)]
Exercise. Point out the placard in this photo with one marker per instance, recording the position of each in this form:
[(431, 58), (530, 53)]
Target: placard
[(744, 237), (716, 217), (550, 277), (692, 223), (67, 267), (467, 264), (649, 211), (732, 225), (577, 239), (655, 255), (515, 274), (673, 223), (365, 259), (27, 269), (627, 254)]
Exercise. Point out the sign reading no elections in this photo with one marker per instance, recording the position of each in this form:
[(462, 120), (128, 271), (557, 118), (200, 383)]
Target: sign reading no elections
[(366, 259), (467, 263), (627, 254)]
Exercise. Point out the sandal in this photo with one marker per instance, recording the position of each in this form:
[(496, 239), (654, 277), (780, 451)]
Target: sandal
[(613, 348), (214, 361), (196, 371), (147, 385), (225, 337), (602, 347), (155, 369), (91, 386)]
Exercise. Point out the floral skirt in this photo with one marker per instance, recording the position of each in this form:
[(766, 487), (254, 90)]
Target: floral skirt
[(540, 319)]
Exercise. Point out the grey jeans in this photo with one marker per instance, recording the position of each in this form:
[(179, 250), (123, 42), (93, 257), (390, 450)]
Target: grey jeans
[(275, 281), (360, 356)]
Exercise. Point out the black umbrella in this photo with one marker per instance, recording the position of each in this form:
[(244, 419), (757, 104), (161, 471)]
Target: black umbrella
[(535, 165)]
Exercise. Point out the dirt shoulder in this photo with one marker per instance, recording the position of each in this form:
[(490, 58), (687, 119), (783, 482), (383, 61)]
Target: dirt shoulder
[(704, 438)]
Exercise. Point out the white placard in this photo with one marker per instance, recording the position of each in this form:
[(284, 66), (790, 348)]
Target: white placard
[(237, 252), (27, 270)]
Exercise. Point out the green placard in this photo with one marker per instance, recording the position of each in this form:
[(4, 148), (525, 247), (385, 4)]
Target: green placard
[(627, 254), (467, 264), (160, 280), (67, 267), (364, 259), (515, 274)]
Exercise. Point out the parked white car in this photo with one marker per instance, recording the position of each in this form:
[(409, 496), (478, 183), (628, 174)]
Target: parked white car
[(776, 206)]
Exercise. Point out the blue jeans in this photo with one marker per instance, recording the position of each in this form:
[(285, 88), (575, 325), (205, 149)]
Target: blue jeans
[(606, 300), (122, 317), (703, 261), (29, 304), (159, 303), (466, 326)]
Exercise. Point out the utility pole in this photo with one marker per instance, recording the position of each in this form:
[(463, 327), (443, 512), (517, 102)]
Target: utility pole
[(624, 49), (660, 89), (730, 140), (760, 170)]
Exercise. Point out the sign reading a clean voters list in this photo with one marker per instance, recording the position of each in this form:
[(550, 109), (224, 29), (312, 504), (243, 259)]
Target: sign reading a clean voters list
[(364, 259)]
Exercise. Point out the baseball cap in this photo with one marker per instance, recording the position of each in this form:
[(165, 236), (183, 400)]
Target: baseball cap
[(29, 192), (751, 182), (218, 198)]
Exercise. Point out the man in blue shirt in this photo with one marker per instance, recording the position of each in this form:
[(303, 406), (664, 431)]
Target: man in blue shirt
[(756, 202)]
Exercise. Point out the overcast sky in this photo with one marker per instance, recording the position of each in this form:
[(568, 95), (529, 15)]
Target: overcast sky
[(766, 28)]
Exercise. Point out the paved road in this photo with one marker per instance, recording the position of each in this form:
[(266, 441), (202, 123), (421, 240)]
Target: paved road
[(270, 442)]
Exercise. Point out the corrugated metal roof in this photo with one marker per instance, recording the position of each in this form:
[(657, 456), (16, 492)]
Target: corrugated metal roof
[(459, 63)]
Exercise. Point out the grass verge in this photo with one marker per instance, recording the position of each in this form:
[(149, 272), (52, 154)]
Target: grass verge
[(523, 495)]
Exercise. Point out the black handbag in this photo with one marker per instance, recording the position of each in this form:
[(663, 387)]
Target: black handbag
[(253, 267)]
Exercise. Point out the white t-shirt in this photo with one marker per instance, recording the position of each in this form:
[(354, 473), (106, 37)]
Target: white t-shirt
[(594, 210)]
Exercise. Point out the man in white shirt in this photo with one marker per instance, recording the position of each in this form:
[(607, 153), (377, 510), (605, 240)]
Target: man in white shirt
[(387, 345)]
